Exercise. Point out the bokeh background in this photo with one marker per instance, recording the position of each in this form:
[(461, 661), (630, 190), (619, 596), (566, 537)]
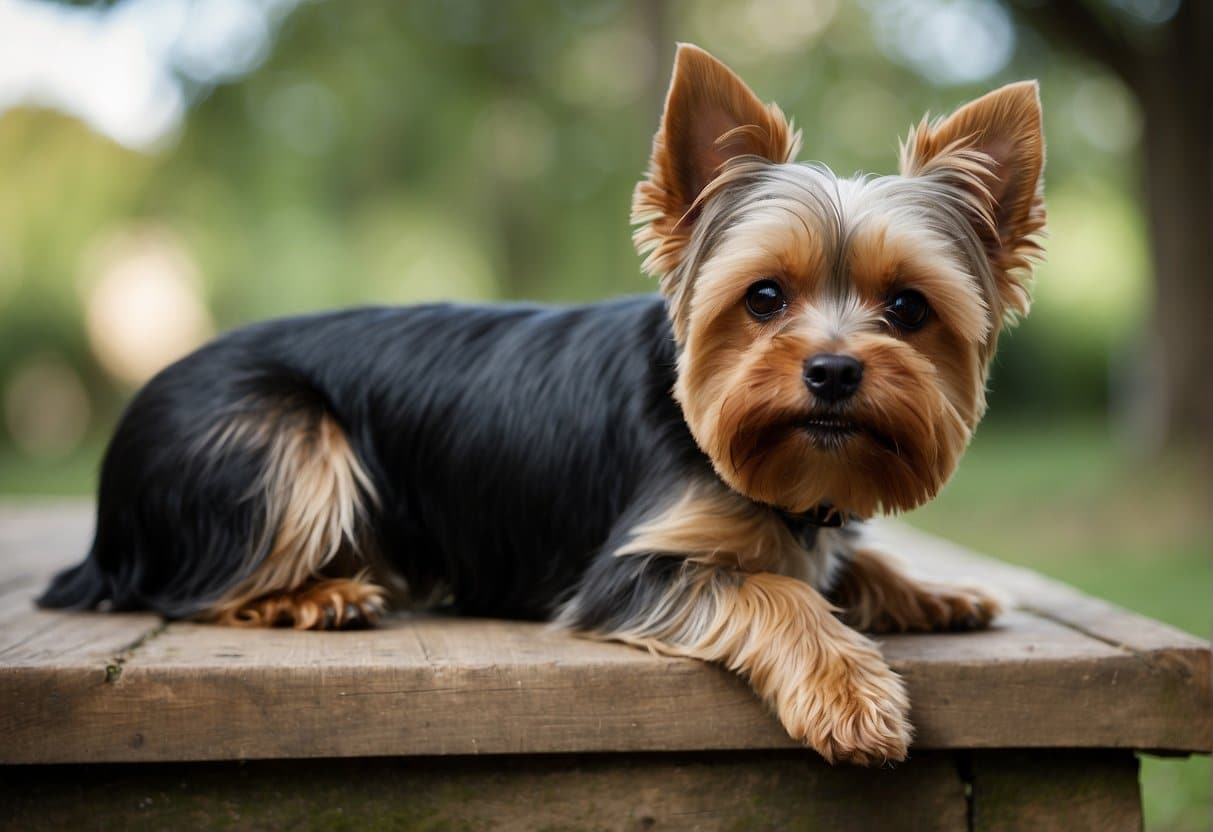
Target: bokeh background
[(173, 168)]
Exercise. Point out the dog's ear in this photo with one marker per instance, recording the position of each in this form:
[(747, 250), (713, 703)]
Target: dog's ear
[(710, 117), (992, 150)]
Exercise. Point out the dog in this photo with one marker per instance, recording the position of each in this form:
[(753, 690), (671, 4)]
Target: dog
[(687, 472)]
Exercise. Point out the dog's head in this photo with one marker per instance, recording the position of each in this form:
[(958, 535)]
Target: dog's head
[(835, 334)]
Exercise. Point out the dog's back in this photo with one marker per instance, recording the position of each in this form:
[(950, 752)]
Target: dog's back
[(481, 453)]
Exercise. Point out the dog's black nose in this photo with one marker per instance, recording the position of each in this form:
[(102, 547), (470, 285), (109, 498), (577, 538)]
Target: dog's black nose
[(832, 377)]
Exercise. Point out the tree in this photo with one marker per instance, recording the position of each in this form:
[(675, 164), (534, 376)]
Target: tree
[(1168, 65)]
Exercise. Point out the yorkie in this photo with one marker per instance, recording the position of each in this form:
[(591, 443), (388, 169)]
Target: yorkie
[(685, 472)]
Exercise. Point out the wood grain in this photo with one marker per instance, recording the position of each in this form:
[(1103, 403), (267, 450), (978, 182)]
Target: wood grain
[(777, 790), (114, 688)]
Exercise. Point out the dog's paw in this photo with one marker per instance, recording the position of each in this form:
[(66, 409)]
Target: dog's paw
[(946, 607), (929, 607), (335, 604), (338, 605), (856, 712)]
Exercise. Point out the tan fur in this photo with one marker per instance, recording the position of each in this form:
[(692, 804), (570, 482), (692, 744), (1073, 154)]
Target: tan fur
[(320, 605), (711, 525), (992, 149), (827, 684), (886, 253), (743, 394), (876, 595), (741, 382), (711, 117), (315, 491)]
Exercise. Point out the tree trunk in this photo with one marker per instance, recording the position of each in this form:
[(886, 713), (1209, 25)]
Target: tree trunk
[(1168, 67), (1176, 95)]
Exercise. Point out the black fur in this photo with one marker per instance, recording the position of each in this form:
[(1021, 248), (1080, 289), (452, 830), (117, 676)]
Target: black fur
[(507, 446)]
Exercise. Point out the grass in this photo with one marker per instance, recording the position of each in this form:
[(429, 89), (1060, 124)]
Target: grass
[(1061, 499), (1068, 502), (71, 475)]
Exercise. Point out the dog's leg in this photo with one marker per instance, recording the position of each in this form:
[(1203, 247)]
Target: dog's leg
[(827, 683), (312, 574), (875, 595)]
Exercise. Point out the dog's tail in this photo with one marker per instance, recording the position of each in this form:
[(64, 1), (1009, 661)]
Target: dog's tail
[(81, 587)]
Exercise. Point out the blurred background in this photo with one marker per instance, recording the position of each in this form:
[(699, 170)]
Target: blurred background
[(173, 168)]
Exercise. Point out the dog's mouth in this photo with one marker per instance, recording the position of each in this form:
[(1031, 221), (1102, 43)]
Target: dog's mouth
[(829, 432)]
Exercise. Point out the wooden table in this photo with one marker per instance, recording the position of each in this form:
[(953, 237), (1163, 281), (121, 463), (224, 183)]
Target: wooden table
[(433, 723)]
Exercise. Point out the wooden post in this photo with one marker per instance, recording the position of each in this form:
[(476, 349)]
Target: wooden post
[(1060, 790)]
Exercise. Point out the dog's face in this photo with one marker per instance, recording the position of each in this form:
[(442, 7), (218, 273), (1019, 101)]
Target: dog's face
[(835, 334)]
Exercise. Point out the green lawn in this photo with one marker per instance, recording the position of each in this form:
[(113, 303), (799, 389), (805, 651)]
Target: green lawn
[(1067, 502), (1061, 499), (72, 475)]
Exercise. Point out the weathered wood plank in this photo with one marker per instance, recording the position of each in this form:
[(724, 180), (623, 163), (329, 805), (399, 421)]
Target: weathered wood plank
[(701, 792), (36, 540), (65, 640), (430, 686), (1031, 682), (73, 689), (197, 692), (1056, 792), (39, 537)]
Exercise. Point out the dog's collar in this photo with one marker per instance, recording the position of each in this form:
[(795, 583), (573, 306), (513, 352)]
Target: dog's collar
[(820, 516)]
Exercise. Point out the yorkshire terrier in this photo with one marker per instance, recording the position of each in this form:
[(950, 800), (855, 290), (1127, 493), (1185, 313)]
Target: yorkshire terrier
[(686, 472)]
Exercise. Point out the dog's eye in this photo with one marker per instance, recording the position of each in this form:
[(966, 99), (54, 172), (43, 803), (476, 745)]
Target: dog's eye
[(765, 299), (908, 310)]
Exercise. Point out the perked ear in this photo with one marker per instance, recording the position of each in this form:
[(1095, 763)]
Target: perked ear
[(993, 150), (710, 118)]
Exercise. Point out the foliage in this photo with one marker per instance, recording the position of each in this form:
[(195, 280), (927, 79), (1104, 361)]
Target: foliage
[(390, 153)]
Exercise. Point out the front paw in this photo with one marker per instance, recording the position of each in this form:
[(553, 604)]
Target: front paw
[(947, 607), (915, 606), (855, 711), (878, 596)]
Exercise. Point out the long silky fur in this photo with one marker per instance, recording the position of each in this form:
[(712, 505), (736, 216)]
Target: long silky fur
[(502, 447)]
